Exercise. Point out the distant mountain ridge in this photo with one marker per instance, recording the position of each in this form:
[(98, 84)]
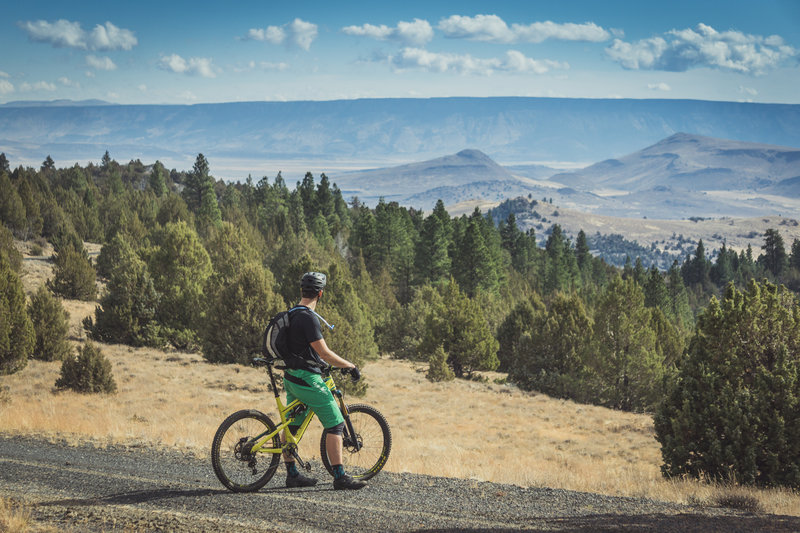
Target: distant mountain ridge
[(693, 162), (509, 129)]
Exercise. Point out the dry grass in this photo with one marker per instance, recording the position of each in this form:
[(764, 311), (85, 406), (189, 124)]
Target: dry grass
[(482, 431)]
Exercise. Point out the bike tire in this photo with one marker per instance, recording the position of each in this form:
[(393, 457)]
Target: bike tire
[(373, 432), (242, 473)]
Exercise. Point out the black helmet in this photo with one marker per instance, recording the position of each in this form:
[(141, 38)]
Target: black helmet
[(314, 281)]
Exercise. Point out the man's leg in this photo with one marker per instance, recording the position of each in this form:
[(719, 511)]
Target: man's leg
[(333, 445)]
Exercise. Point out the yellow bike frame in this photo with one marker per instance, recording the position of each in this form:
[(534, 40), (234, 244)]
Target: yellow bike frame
[(262, 440)]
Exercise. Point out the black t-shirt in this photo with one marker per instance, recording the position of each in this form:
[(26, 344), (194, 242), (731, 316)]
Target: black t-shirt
[(304, 329)]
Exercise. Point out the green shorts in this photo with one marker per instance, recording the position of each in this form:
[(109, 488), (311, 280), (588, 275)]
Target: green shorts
[(317, 396)]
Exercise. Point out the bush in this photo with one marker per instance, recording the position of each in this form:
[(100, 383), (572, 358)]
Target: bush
[(51, 324), (74, 275), (89, 372), (438, 369), (732, 414), (16, 331)]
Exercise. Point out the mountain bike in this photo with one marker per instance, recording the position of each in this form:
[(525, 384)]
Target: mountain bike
[(247, 447)]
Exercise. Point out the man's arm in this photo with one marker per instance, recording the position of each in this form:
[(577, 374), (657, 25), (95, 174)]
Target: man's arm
[(329, 356)]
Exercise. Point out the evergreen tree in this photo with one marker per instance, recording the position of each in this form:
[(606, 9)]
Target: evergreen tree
[(463, 333), (774, 258), (432, 258), (8, 251), (582, 254), (17, 337), (628, 373), (158, 179), (550, 358), (794, 258), (51, 324), (89, 372), (732, 414), (678, 309), (237, 315), (34, 222), (656, 294), (208, 214), (4, 165), (12, 210), (74, 276), (180, 267), (48, 164), (438, 369), (197, 183), (473, 267), (561, 267), (127, 310), (526, 316), (723, 270)]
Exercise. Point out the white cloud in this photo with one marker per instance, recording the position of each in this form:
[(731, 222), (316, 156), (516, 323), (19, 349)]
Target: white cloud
[(748, 90), (491, 28), (514, 62), (416, 33), (38, 86), (66, 34), (659, 86), (4, 74), (188, 95), (194, 66), (6, 87), (100, 63), (298, 32), (142, 87), (66, 82), (703, 46)]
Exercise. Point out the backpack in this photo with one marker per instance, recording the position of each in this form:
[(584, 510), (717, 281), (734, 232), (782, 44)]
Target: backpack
[(275, 343)]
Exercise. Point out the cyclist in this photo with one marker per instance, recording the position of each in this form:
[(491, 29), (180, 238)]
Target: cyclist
[(303, 380)]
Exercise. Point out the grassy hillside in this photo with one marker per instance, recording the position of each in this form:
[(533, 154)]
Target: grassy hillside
[(482, 431)]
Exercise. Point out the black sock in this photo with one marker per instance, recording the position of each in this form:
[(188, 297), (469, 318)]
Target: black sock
[(338, 471), (291, 470)]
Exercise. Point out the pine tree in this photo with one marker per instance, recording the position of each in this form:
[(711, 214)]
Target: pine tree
[(158, 180), (473, 267), (74, 276), (51, 324), (8, 251), (525, 317), (628, 372), (180, 267), (432, 257), (237, 315), (732, 414), (127, 310), (196, 183), (774, 258), (550, 358), (17, 337), (12, 210)]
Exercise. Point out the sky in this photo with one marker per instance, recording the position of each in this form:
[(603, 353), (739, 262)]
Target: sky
[(148, 52)]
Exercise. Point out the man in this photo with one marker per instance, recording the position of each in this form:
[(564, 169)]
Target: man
[(303, 380)]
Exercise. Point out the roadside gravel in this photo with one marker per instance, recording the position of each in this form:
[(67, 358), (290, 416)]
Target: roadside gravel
[(85, 488)]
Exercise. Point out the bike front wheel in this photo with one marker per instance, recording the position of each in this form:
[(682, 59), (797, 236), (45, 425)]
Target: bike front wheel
[(365, 453), (236, 468)]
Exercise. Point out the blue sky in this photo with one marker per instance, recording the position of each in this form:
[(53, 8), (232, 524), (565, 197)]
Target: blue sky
[(149, 52)]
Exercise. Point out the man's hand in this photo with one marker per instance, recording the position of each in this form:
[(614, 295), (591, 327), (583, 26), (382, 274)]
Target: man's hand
[(355, 374)]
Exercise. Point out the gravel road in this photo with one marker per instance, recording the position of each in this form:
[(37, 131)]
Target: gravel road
[(83, 488)]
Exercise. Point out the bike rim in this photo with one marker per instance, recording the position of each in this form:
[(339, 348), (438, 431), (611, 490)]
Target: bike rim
[(240, 472), (370, 457)]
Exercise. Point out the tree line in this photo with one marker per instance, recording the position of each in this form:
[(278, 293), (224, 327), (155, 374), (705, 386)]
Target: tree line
[(202, 264)]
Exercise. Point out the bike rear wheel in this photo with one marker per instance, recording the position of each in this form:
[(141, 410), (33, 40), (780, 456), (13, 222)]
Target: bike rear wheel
[(235, 467), (374, 436)]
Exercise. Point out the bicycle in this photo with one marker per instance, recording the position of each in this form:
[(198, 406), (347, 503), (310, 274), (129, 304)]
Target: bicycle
[(247, 447)]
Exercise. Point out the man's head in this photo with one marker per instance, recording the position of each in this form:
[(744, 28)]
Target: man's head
[(312, 284)]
